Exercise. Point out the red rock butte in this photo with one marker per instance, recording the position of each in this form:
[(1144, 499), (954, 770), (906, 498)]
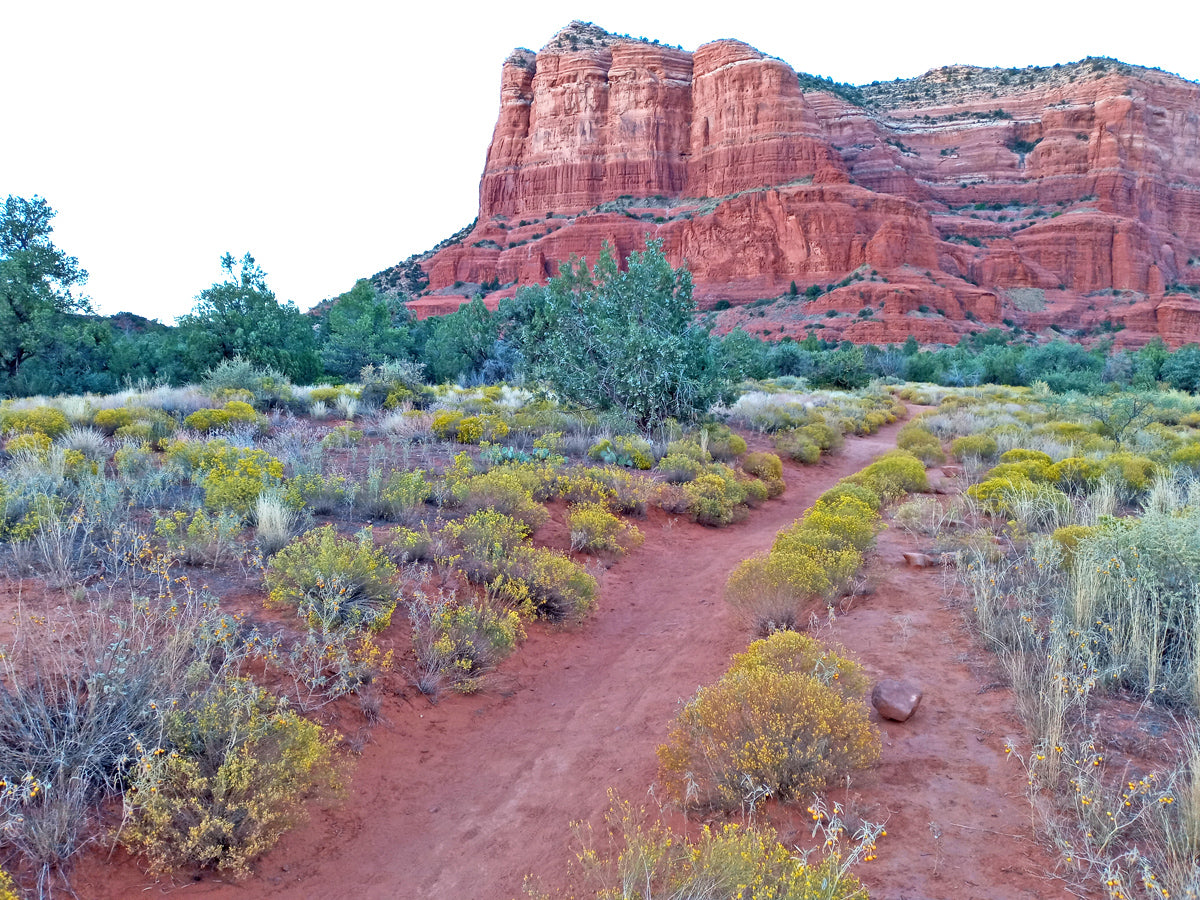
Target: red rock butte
[(1064, 197)]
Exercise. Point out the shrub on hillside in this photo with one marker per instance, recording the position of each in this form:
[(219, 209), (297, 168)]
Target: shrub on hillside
[(769, 468), (921, 443), (45, 420), (893, 475), (974, 446)]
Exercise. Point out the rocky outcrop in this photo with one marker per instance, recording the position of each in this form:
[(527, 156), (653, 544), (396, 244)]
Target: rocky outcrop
[(942, 204)]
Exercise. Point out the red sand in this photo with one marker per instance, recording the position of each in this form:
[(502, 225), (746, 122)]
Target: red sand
[(463, 799)]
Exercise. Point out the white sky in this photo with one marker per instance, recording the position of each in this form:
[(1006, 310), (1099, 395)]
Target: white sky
[(332, 140)]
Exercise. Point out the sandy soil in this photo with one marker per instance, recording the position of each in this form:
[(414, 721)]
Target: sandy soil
[(464, 798)]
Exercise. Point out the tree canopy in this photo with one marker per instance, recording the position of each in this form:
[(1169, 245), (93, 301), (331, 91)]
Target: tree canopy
[(240, 317), (624, 341), (37, 282)]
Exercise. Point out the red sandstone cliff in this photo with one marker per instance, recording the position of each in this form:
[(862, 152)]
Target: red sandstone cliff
[(1065, 196)]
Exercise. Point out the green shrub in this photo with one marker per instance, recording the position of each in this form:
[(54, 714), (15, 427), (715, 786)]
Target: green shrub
[(627, 450), (109, 420), (197, 538), (856, 491), (778, 591), (484, 541), (974, 446), (797, 447), (341, 436), (769, 468), (231, 778), (827, 438), (445, 423), (320, 567), (893, 475), (1031, 469), (1133, 473), (716, 497), (8, 890), (322, 494), (677, 468), (1187, 456), (921, 443), (721, 442), (235, 412), (457, 643), (596, 530), (764, 733), (30, 443)]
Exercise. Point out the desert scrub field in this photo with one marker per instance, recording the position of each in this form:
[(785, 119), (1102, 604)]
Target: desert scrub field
[(307, 548), (1077, 545)]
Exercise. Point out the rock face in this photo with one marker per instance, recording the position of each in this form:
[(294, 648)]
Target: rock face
[(1066, 196)]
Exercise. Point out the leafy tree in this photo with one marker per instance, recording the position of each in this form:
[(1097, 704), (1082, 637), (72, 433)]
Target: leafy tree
[(622, 341), (1182, 369), (241, 317), (363, 329), (459, 344), (36, 284)]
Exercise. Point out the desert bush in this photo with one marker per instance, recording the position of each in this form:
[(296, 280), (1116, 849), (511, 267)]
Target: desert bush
[(596, 530), (769, 468), (341, 436), (1028, 469), (974, 446), (847, 521), (676, 468), (761, 733), (797, 447), (1020, 454), (585, 484), (893, 475), (320, 564), (8, 890), (456, 643), (826, 437), (484, 541), (236, 485), (716, 498), (630, 493), (1034, 505), (109, 420), (321, 494), (235, 412), (39, 419), (1133, 473), (858, 492), (397, 497), (505, 491), (231, 777), (777, 591), (1075, 473), (198, 538), (642, 861), (30, 443), (921, 443), (789, 651), (76, 695), (88, 441), (558, 587)]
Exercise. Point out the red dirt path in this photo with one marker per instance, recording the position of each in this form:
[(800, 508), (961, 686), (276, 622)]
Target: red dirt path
[(465, 798)]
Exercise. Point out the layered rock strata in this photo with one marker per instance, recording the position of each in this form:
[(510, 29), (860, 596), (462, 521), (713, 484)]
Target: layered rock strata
[(1064, 197)]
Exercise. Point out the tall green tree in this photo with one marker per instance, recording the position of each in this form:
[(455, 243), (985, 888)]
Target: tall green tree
[(362, 328), (37, 285), (240, 317), (622, 340)]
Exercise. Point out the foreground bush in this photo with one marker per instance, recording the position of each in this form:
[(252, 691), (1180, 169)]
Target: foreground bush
[(232, 776), (596, 530), (352, 575), (765, 730), (893, 475), (643, 861)]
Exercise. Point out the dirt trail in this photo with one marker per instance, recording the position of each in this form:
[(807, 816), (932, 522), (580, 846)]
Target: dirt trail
[(465, 798)]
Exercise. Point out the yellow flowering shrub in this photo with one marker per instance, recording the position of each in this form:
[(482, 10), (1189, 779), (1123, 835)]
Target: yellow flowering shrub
[(628, 450), (322, 494), (1187, 456), (32, 443), (596, 530), (716, 498), (45, 420), (1075, 472), (797, 447), (1134, 473), (109, 420), (8, 890), (504, 490), (445, 423), (235, 412), (236, 485), (731, 861), (484, 540), (790, 651), (769, 468), (893, 475), (457, 643), (585, 484), (352, 574), (198, 538), (921, 443), (762, 733), (231, 778)]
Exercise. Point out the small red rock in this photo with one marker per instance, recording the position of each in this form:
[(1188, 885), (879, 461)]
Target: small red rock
[(919, 560), (896, 700)]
